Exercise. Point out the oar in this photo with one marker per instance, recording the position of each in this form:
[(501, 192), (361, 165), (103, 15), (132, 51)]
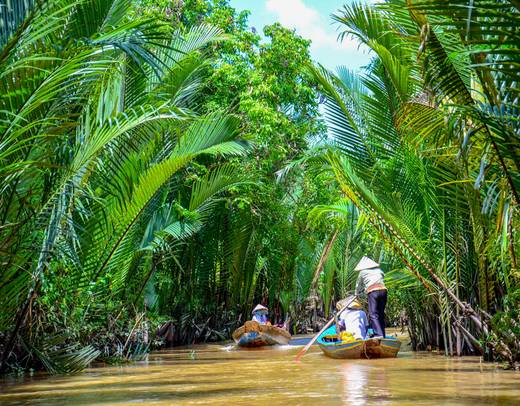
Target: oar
[(304, 349)]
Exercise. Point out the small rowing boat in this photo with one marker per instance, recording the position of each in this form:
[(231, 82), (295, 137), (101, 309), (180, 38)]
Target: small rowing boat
[(254, 334), (334, 347)]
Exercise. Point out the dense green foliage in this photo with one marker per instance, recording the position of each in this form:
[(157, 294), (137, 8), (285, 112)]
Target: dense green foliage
[(127, 197), (99, 121), (426, 147), (164, 165)]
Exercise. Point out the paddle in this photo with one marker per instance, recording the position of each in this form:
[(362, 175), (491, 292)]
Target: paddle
[(304, 349)]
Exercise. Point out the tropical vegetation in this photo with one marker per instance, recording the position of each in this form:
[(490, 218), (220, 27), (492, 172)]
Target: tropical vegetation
[(425, 145), (164, 167)]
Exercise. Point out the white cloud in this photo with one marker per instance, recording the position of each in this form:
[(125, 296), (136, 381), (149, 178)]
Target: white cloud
[(308, 23)]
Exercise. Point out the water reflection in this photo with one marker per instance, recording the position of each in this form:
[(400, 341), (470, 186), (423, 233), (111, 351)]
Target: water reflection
[(363, 384), (212, 374), (354, 384)]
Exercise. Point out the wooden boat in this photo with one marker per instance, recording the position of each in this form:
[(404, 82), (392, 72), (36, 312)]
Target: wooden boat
[(254, 334), (387, 347)]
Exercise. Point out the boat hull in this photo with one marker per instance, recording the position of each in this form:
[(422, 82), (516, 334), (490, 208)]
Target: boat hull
[(387, 347), (253, 334)]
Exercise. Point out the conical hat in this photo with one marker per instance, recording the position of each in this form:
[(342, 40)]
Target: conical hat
[(259, 307), (366, 263), (351, 302)]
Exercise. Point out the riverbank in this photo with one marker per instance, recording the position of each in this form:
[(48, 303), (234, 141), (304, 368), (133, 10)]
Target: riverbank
[(221, 375)]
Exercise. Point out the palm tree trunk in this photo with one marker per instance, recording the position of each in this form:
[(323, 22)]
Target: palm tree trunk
[(323, 258), (20, 318)]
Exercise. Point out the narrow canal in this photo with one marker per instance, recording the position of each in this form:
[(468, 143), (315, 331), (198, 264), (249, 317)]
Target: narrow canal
[(219, 375)]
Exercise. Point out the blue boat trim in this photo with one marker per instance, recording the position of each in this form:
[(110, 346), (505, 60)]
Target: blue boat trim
[(370, 348)]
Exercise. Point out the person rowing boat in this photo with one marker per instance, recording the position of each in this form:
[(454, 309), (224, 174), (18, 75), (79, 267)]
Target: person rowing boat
[(258, 331), (371, 281)]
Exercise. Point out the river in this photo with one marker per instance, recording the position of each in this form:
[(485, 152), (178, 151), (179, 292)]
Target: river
[(219, 375)]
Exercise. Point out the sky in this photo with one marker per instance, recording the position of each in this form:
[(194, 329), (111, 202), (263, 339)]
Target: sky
[(312, 20)]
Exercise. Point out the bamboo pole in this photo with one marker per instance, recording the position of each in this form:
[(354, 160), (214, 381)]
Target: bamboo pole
[(306, 348)]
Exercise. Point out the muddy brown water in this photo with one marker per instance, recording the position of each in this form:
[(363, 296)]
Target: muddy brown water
[(220, 375)]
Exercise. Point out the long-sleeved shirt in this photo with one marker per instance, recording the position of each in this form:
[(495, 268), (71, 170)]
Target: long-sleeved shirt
[(367, 278), (355, 322), (260, 317)]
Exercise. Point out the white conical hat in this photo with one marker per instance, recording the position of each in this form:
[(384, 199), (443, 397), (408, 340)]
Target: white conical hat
[(366, 263), (259, 307)]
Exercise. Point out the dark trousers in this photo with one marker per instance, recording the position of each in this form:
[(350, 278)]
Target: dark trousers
[(376, 311)]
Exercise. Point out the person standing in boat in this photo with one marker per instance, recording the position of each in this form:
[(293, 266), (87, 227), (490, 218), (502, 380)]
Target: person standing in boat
[(353, 319), (371, 281), (260, 314)]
